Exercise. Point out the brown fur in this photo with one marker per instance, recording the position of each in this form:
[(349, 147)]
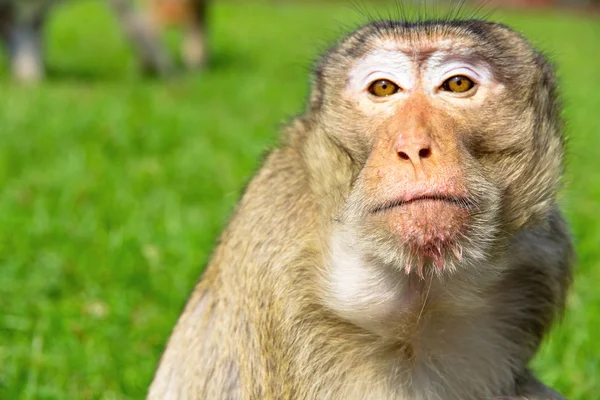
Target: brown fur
[(191, 16), (266, 322)]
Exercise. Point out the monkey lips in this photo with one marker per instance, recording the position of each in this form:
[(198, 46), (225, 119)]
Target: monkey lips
[(430, 226)]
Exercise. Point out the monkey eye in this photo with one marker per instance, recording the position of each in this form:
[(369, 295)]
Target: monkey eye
[(383, 87), (458, 84)]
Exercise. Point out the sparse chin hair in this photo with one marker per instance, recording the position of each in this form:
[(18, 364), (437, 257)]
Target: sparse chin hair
[(410, 238)]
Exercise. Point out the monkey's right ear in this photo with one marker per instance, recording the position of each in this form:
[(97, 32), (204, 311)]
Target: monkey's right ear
[(316, 90)]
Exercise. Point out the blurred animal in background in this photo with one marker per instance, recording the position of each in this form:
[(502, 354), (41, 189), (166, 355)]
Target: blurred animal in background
[(190, 15), (21, 25), (22, 30)]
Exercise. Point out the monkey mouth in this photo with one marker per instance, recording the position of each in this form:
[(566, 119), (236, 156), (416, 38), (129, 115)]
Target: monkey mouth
[(430, 225), (462, 202)]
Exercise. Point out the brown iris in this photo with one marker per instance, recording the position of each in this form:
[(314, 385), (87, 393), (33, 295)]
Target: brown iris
[(383, 87), (458, 84)]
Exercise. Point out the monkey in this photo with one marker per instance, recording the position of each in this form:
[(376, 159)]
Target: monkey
[(22, 31), (191, 16), (403, 241)]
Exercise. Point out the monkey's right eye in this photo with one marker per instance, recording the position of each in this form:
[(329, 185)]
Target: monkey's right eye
[(383, 87)]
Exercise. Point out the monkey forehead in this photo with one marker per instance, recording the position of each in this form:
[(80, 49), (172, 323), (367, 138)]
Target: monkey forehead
[(493, 42), (422, 48), (437, 33)]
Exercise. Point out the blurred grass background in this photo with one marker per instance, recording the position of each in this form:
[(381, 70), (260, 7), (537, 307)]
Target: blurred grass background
[(114, 188)]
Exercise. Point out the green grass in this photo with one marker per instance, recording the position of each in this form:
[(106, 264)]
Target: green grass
[(114, 189)]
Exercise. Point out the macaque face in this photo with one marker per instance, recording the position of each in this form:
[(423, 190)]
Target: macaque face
[(424, 116)]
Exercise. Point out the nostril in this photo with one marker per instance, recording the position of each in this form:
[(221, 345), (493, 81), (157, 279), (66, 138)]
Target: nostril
[(424, 153), (403, 155)]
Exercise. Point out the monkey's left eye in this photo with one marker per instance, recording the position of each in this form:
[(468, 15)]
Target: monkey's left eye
[(458, 84), (383, 87)]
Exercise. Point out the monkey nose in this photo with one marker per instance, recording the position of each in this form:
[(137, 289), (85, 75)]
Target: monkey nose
[(413, 146), (414, 154)]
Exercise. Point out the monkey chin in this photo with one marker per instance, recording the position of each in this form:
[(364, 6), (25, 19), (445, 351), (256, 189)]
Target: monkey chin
[(430, 228)]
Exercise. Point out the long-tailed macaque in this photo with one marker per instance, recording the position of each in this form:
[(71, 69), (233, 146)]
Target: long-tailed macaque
[(403, 242)]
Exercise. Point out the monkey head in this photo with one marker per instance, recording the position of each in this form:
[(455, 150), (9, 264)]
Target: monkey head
[(453, 135)]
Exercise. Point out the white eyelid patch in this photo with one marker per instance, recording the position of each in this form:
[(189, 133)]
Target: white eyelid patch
[(405, 70), (382, 64), (443, 65)]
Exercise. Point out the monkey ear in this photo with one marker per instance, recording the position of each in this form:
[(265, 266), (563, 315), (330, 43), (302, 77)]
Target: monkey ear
[(315, 100), (547, 67), (547, 100), (550, 101)]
